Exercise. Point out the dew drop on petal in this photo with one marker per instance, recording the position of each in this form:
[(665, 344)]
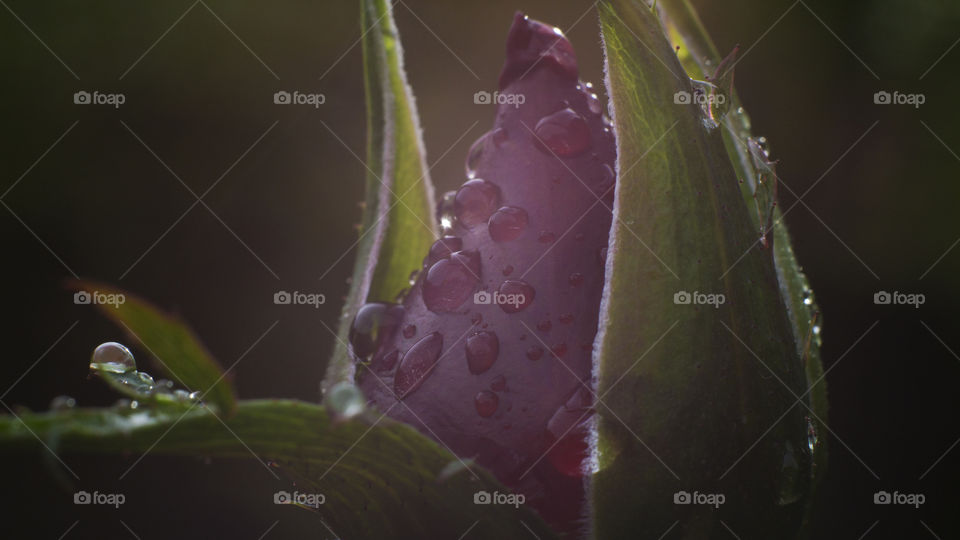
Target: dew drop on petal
[(482, 350), (450, 282), (521, 292), (486, 403), (507, 223), (564, 133), (475, 201)]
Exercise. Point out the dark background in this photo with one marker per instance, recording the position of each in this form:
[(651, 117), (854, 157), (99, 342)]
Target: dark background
[(883, 217)]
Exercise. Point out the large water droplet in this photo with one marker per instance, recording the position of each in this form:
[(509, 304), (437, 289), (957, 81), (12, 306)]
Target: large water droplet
[(507, 223), (450, 282), (519, 294), (373, 326), (482, 350), (475, 201), (486, 403), (344, 401), (442, 249), (417, 364), (111, 357), (565, 133)]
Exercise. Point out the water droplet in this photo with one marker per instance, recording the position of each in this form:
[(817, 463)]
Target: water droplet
[(482, 351), (373, 326), (566, 318), (445, 215), (417, 364), (499, 383), (576, 279), (507, 270), (450, 282), (593, 102), (145, 378), (62, 403), (507, 223), (486, 403), (813, 440), (111, 357), (475, 201), (521, 292), (163, 386), (544, 325), (534, 352), (409, 331), (559, 350), (344, 401), (565, 133), (442, 249), (474, 155)]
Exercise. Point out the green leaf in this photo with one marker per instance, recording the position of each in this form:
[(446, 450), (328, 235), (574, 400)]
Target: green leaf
[(698, 53), (177, 351), (398, 223), (379, 478), (692, 398)]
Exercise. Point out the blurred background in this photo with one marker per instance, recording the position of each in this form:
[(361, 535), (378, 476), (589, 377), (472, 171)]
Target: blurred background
[(202, 195)]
